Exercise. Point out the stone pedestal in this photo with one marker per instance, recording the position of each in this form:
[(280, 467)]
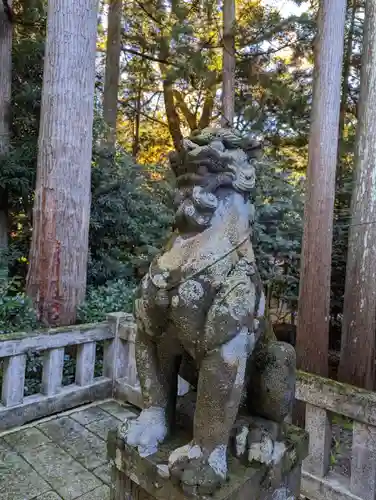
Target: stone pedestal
[(136, 478)]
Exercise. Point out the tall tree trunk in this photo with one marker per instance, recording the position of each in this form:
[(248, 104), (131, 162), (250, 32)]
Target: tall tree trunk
[(173, 119), (5, 98), (112, 75), (345, 86), (228, 89), (207, 110), (357, 361), (56, 280), (314, 296)]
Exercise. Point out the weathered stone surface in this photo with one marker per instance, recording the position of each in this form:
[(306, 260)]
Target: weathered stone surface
[(18, 480), (104, 473), (53, 363), (319, 427), (102, 426), (88, 415), (38, 405), (27, 439), (50, 495), (203, 299), (255, 481), (4, 448), (101, 493), (13, 380), (66, 476), (357, 404), (119, 411), (81, 444), (363, 464)]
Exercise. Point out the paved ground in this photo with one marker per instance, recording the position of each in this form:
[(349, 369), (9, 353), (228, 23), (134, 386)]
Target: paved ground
[(63, 457)]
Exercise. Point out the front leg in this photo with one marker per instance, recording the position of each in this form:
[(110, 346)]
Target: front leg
[(201, 466), (228, 340), (158, 359)]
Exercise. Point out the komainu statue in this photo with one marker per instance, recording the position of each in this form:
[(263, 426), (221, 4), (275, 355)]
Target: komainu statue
[(201, 305)]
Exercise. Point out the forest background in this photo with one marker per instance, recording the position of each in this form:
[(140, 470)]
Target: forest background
[(170, 83)]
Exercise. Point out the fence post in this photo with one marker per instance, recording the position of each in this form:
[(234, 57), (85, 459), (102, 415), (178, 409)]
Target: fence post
[(85, 364), (53, 363), (363, 461), (116, 350), (13, 380), (319, 427)]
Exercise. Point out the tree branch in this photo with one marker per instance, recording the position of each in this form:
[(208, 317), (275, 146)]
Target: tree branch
[(148, 117), (151, 58), (189, 116)]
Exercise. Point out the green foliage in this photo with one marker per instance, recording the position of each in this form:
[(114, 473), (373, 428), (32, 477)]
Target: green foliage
[(278, 231), (129, 218), (130, 215), (114, 296), (16, 311)]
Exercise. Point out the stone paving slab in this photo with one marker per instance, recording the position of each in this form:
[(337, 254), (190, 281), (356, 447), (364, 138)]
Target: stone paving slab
[(18, 480), (27, 439), (50, 495), (66, 476), (82, 445), (89, 415), (63, 458), (102, 426), (101, 493), (104, 473), (120, 412)]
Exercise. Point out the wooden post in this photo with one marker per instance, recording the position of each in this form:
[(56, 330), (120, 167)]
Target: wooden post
[(116, 350), (14, 380), (363, 462), (52, 376), (85, 363), (319, 428)]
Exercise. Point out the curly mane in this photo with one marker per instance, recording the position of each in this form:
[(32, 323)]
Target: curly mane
[(215, 157)]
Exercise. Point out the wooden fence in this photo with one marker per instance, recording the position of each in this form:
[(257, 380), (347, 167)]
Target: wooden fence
[(119, 378), (323, 398)]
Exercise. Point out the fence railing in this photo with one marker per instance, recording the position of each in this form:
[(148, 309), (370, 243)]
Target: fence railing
[(118, 377), (324, 398)]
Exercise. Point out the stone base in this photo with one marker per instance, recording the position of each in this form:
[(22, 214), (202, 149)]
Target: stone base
[(137, 478)]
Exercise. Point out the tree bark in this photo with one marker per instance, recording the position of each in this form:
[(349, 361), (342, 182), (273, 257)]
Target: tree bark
[(357, 361), (345, 86), (136, 136), (5, 103), (228, 89), (314, 294), (207, 110), (112, 73), (56, 280)]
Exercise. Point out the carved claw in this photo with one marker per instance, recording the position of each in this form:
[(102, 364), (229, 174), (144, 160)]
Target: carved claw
[(283, 494), (147, 431), (197, 471), (257, 444)]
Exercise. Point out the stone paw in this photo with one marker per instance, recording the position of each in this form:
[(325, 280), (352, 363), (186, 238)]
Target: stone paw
[(257, 444), (199, 472), (147, 431), (283, 494)]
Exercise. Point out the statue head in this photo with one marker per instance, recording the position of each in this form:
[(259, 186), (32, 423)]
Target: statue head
[(210, 163)]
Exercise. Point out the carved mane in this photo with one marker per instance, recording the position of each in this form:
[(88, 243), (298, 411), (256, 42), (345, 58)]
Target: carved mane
[(210, 159)]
